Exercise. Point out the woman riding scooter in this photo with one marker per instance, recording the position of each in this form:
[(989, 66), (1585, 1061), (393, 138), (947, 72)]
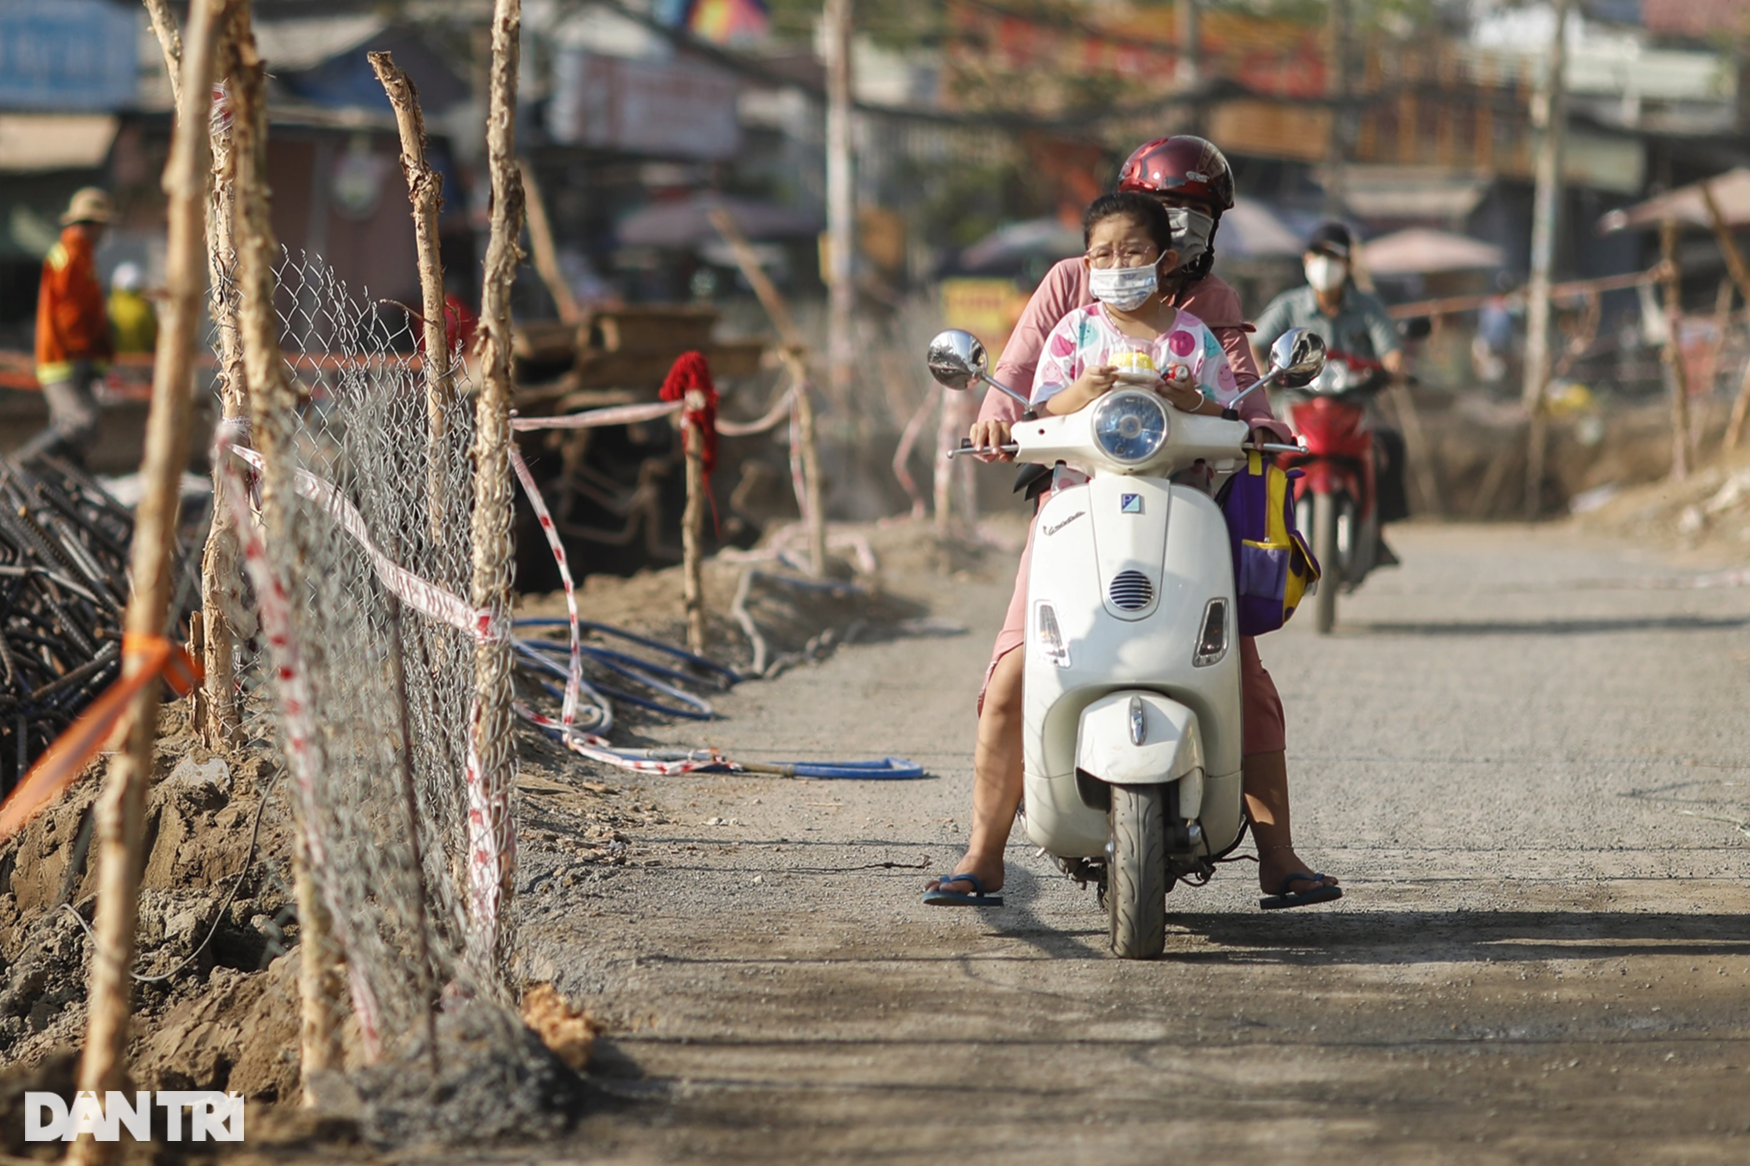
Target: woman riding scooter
[(1191, 178)]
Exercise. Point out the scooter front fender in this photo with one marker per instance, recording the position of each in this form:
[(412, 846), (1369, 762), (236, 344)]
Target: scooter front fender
[(1137, 737)]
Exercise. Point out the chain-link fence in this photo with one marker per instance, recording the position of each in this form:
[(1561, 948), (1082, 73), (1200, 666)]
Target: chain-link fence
[(374, 694)]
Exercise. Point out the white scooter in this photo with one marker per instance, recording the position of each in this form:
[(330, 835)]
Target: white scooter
[(1131, 678)]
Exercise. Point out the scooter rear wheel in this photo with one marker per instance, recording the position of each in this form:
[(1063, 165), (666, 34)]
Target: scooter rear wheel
[(1324, 526), (1136, 888)]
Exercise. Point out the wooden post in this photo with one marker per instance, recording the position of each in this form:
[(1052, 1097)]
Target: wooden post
[(1549, 111), (809, 502), (221, 575), (272, 406), (546, 255), (103, 1065), (425, 191), (214, 704), (1677, 376), (1740, 274), (841, 198), (693, 526), (947, 436), (492, 493)]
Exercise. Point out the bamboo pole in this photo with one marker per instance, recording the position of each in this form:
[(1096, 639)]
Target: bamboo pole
[(272, 404), (1677, 375), (425, 191), (546, 255), (792, 353), (1549, 111), (492, 497), (103, 1065), (693, 525), (1740, 274)]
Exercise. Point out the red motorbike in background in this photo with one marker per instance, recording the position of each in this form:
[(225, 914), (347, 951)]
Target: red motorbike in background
[(1337, 496)]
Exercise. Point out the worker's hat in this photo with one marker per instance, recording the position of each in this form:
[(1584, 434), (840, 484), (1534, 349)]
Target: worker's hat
[(90, 205)]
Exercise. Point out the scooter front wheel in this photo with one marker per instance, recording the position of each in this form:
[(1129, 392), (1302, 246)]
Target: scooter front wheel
[(1136, 876), (1324, 528)]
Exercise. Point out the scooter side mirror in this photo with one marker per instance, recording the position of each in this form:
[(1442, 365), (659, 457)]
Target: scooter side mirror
[(1297, 357), (957, 358)]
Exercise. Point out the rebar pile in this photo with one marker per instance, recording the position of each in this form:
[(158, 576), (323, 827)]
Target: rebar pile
[(63, 586)]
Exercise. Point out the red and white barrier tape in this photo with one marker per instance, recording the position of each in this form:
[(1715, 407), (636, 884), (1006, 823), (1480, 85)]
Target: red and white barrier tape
[(574, 678), (426, 598), (485, 854), (612, 415), (295, 701), (599, 749)]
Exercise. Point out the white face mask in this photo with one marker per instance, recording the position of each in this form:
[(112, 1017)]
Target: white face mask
[(1125, 288), (1326, 273)]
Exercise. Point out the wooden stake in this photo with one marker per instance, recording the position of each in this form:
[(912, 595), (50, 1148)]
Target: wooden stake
[(221, 588), (1549, 111), (809, 503), (693, 528), (103, 1065), (272, 407), (492, 438), (1678, 376), (546, 254), (425, 191), (1740, 274)]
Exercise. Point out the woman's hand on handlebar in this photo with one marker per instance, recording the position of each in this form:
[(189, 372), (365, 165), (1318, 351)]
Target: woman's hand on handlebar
[(990, 435)]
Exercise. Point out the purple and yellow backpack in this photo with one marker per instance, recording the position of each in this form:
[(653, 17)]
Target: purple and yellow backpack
[(1274, 569)]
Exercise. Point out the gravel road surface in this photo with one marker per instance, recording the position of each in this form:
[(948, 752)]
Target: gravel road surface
[(1530, 768)]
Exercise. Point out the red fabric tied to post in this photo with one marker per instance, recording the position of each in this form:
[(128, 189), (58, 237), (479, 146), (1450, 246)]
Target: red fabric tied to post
[(689, 373)]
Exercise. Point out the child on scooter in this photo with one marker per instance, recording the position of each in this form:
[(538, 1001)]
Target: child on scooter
[(1131, 333)]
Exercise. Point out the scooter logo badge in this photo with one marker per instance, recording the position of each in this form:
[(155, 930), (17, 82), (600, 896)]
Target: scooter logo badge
[(1130, 503)]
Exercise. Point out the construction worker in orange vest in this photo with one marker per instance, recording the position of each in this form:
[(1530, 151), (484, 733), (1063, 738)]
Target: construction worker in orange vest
[(73, 343)]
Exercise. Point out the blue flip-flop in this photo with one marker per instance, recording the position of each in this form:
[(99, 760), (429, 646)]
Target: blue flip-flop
[(1286, 898), (979, 897)]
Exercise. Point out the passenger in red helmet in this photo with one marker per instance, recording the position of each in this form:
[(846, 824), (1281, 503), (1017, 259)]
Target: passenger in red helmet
[(1189, 176)]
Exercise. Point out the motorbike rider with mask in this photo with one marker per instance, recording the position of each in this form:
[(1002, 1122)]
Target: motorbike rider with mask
[(1192, 180), (1355, 324)]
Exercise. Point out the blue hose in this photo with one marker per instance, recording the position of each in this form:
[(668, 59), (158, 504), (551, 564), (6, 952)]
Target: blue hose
[(696, 709), (887, 769), (696, 661)]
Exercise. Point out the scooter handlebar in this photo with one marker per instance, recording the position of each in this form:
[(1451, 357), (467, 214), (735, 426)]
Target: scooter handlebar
[(966, 448)]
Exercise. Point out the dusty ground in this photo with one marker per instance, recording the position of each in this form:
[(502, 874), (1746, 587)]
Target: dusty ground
[(1535, 792), (1536, 795)]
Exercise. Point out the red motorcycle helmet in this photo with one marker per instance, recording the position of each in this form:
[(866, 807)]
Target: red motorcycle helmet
[(1183, 164)]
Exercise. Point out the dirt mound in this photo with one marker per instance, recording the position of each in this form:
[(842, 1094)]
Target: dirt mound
[(210, 901), (1707, 511)]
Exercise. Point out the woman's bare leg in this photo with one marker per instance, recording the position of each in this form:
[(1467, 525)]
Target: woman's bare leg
[(1265, 781), (996, 778)]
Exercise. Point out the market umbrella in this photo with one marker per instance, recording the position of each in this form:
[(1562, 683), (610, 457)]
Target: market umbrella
[(1731, 191), (1425, 251)]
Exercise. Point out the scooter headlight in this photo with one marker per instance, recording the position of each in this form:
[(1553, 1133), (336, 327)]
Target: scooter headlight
[(1130, 426)]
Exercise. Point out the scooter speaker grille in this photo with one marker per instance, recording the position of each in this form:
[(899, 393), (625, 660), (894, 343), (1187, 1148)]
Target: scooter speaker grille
[(1131, 591)]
